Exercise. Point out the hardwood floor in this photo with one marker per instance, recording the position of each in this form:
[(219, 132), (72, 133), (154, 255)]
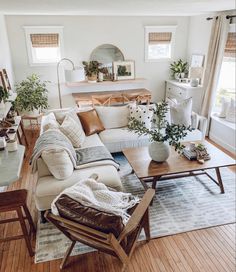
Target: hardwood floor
[(211, 249)]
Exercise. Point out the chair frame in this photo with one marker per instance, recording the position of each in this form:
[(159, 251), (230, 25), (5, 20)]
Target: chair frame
[(107, 242)]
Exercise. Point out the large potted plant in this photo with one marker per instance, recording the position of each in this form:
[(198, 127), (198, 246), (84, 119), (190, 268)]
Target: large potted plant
[(178, 69), (32, 96), (162, 134), (91, 70)]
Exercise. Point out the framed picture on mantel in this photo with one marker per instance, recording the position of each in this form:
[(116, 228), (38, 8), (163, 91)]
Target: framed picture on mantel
[(124, 70)]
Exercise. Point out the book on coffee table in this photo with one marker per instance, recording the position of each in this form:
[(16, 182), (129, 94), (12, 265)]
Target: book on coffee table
[(191, 155)]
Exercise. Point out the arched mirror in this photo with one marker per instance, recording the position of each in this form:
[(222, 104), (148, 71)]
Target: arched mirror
[(106, 54)]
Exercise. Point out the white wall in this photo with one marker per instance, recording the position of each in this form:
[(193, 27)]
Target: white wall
[(5, 56), (83, 34)]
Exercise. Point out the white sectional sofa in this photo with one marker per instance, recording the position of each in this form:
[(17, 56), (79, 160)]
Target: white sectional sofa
[(115, 139)]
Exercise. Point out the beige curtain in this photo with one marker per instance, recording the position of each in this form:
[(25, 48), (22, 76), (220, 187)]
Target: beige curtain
[(219, 33)]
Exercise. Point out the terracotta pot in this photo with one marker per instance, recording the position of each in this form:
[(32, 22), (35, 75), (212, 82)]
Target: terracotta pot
[(93, 78)]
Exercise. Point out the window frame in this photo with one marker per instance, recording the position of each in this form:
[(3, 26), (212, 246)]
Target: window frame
[(159, 29), (41, 30)]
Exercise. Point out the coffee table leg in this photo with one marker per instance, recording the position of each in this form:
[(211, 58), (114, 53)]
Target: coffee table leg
[(219, 180)]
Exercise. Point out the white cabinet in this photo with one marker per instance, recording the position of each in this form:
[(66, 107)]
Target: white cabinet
[(181, 91)]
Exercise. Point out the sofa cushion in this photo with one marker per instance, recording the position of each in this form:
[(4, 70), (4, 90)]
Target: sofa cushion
[(142, 113), (181, 112), (58, 163), (113, 117), (92, 140), (73, 131), (60, 114), (90, 122), (88, 216), (49, 122), (117, 139)]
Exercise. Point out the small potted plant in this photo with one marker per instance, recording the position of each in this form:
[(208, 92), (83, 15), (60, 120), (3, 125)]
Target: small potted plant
[(4, 95), (91, 70), (178, 69), (162, 134), (32, 96)]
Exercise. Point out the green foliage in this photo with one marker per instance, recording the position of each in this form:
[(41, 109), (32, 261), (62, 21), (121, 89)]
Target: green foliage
[(91, 67), (162, 130), (178, 67), (31, 94), (4, 95)]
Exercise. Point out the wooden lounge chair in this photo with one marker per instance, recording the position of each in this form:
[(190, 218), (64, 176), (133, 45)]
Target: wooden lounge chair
[(122, 246)]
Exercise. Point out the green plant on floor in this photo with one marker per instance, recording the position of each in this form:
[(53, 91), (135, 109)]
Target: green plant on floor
[(4, 95), (178, 67), (162, 130), (32, 94)]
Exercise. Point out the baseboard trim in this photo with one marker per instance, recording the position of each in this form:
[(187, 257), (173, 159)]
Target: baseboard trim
[(219, 141)]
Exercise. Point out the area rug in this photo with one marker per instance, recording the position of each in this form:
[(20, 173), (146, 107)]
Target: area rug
[(180, 205)]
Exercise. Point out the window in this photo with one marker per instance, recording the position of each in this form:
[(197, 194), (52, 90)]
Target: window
[(44, 44), (226, 84), (159, 42)]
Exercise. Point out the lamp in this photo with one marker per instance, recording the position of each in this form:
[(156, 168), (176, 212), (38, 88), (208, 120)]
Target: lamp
[(74, 75)]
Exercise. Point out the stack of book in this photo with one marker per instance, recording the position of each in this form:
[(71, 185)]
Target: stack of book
[(191, 155)]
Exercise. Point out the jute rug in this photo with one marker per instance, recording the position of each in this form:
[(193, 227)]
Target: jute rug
[(180, 205)]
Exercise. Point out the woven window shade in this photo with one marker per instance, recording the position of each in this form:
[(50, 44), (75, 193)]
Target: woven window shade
[(230, 47), (159, 37), (45, 40)]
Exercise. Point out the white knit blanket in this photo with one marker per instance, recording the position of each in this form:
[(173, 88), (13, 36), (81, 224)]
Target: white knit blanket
[(94, 194)]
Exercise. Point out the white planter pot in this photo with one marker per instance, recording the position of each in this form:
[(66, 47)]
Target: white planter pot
[(177, 76), (159, 151), (29, 113)]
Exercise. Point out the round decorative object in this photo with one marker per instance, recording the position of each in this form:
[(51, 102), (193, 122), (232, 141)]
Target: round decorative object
[(159, 151)]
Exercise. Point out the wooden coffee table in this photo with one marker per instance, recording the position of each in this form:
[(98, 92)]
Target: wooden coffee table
[(177, 166)]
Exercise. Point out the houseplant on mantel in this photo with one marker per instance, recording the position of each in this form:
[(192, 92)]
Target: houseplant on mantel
[(178, 69), (32, 96), (162, 134), (91, 70)]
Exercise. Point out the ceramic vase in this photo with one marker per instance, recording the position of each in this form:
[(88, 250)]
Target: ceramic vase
[(159, 151)]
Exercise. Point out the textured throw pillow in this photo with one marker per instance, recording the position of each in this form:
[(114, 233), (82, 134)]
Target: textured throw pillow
[(113, 117), (73, 131), (142, 113), (61, 114), (224, 106), (181, 112), (50, 122), (90, 122), (231, 112), (58, 163)]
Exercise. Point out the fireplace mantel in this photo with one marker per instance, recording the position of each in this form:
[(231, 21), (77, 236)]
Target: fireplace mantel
[(77, 87)]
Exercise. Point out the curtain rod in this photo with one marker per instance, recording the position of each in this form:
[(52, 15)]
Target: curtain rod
[(227, 17)]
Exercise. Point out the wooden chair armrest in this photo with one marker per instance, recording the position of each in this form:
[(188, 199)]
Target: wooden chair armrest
[(138, 214)]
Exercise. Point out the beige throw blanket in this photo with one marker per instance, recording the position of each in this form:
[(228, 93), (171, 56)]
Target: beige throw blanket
[(94, 194)]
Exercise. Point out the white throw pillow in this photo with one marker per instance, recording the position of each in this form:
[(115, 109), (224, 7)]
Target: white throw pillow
[(50, 122), (73, 131), (58, 163), (231, 112), (224, 107), (61, 114), (142, 113), (113, 117), (181, 112)]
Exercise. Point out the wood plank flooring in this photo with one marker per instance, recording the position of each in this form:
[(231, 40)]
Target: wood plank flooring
[(211, 249)]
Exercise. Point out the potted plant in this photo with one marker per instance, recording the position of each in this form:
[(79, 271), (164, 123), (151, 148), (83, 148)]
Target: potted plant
[(4, 95), (162, 134), (91, 70), (178, 69), (32, 96)]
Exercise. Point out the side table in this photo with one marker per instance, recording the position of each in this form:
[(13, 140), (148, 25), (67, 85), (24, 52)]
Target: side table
[(10, 165)]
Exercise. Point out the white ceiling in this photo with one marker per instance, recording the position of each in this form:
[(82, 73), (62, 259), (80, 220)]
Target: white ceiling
[(112, 7)]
